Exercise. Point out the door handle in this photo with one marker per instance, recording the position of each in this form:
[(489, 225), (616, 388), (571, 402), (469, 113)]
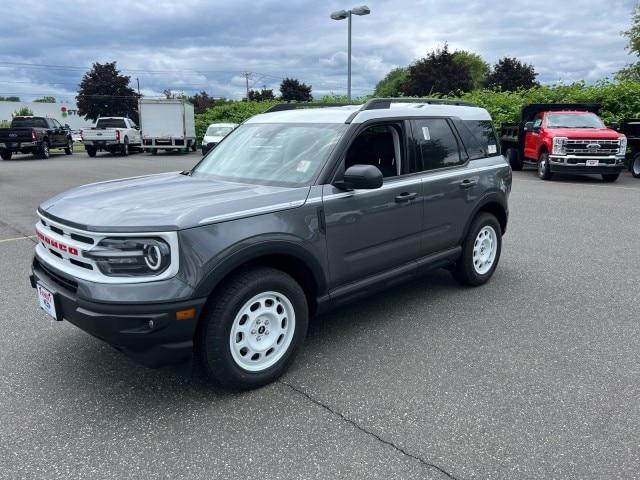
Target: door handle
[(406, 197), (468, 183)]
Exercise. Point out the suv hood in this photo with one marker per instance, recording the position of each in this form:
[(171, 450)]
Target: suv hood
[(584, 133), (211, 139), (168, 201)]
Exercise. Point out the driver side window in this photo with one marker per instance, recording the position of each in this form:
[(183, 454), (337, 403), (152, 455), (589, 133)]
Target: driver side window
[(537, 121), (381, 146)]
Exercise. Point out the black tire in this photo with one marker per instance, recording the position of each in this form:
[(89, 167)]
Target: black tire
[(154, 151), (91, 151), (212, 341), (124, 148), (514, 159), (544, 170), (610, 177), (194, 147), (634, 166), (43, 151), (6, 154), (465, 270), (69, 148)]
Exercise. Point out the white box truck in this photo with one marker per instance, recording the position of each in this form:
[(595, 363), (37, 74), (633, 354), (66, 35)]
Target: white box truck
[(167, 124)]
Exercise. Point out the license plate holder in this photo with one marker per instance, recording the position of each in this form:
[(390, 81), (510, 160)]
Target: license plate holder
[(48, 302), (593, 163)]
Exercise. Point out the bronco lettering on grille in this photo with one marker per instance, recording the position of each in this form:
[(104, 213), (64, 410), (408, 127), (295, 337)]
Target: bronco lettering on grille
[(57, 245)]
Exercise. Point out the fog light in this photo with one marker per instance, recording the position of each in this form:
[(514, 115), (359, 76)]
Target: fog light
[(151, 324)]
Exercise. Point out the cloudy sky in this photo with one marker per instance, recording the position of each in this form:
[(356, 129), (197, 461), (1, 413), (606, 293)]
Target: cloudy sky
[(191, 45)]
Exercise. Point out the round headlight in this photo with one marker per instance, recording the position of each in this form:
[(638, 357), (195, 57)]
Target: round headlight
[(153, 257)]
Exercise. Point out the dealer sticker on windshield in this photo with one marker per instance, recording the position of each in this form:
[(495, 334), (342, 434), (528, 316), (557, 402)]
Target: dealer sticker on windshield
[(592, 163), (47, 301)]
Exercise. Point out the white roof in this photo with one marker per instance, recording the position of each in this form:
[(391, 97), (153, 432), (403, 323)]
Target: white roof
[(341, 114)]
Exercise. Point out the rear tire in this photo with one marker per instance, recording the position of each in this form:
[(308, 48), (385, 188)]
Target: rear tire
[(610, 177), (544, 170), (91, 151), (635, 166), (6, 154), (513, 157), (124, 149), (252, 328), (43, 151), (154, 151), (194, 147), (480, 251)]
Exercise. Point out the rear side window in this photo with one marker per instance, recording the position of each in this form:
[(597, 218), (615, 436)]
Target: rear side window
[(437, 145)]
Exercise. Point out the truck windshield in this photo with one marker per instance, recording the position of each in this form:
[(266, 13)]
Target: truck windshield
[(29, 122), (573, 120), (213, 131), (280, 154), (111, 123)]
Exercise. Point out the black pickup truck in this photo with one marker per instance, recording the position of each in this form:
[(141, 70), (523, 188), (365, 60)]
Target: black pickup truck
[(34, 135)]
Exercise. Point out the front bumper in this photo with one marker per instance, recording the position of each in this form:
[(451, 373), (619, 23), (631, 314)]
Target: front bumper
[(149, 333), (578, 164)]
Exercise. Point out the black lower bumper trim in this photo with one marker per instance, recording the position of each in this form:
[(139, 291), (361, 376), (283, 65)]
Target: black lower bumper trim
[(570, 169)]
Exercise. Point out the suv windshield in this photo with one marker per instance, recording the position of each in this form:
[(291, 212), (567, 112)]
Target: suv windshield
[(111, 123), (281, 154), (29, 122), (213, 131), (573, 120)]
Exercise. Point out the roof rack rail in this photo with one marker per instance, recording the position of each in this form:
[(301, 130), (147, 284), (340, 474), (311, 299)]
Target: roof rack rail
[(281, 107), (385, 103)]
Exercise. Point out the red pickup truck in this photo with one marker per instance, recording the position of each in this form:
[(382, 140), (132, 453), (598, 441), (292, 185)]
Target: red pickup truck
[(564, 138)]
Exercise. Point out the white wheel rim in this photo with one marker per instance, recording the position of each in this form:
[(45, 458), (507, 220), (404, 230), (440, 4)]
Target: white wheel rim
[(262, 331), (485, 248), (636, 166), (542, 166)]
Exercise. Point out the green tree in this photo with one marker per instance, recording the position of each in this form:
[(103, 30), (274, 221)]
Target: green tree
[(437, 73), (632, 71), (9, 99), (391, 84), (294, 90), (23, 112), (202, 101), (105, 92), (45, 100), (478, 68), (510, 74), (261, 95)]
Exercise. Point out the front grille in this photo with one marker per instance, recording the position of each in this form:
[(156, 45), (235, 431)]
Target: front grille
[(58, 279), (592, 147)]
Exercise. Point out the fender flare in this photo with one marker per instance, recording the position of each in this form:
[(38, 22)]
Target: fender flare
[(495, 197), (229, 260)]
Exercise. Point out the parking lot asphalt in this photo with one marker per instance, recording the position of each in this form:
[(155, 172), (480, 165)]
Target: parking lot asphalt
[(534, 375)]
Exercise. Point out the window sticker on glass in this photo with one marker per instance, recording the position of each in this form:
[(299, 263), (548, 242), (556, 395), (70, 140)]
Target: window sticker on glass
[(425, 133), (303, 166), (492, 149)]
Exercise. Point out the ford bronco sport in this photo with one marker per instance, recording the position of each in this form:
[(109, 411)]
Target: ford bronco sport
[(297, 210)]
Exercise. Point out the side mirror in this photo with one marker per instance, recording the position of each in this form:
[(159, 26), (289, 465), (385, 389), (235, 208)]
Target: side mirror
[(528, 127), (614, 126), (366, 177)]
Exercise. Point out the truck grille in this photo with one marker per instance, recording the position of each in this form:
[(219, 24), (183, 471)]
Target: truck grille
[(592, 147)]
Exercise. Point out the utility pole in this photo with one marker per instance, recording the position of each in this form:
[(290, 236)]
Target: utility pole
[(246, 78)]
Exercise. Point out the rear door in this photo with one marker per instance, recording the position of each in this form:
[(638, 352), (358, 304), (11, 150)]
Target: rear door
[(450, 187)]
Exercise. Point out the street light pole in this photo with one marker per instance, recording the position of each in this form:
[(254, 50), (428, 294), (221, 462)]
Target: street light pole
[(346, 14)]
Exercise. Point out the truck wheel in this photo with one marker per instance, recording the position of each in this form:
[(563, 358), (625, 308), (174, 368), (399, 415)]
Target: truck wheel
[(194, 147), (43, 151), (480, 251), (124, 149), (610, 177), (635, 166), (154, 151), (91, 151), (6, 154), (252, 329), (69, 148), (544, 170), (513, 157)]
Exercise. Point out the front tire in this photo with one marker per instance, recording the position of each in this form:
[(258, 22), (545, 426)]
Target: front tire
[(480, 251), (69, 148), (635, 166), (610, 177), (252, 329), (544, 170)]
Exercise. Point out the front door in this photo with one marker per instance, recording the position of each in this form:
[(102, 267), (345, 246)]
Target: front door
[(370, 231), (532, 139)]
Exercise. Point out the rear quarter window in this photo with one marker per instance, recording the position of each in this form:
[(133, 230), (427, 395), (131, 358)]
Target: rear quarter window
[(484, 134)]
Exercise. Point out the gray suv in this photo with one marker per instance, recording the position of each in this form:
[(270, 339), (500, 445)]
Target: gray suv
[(296, 211)]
